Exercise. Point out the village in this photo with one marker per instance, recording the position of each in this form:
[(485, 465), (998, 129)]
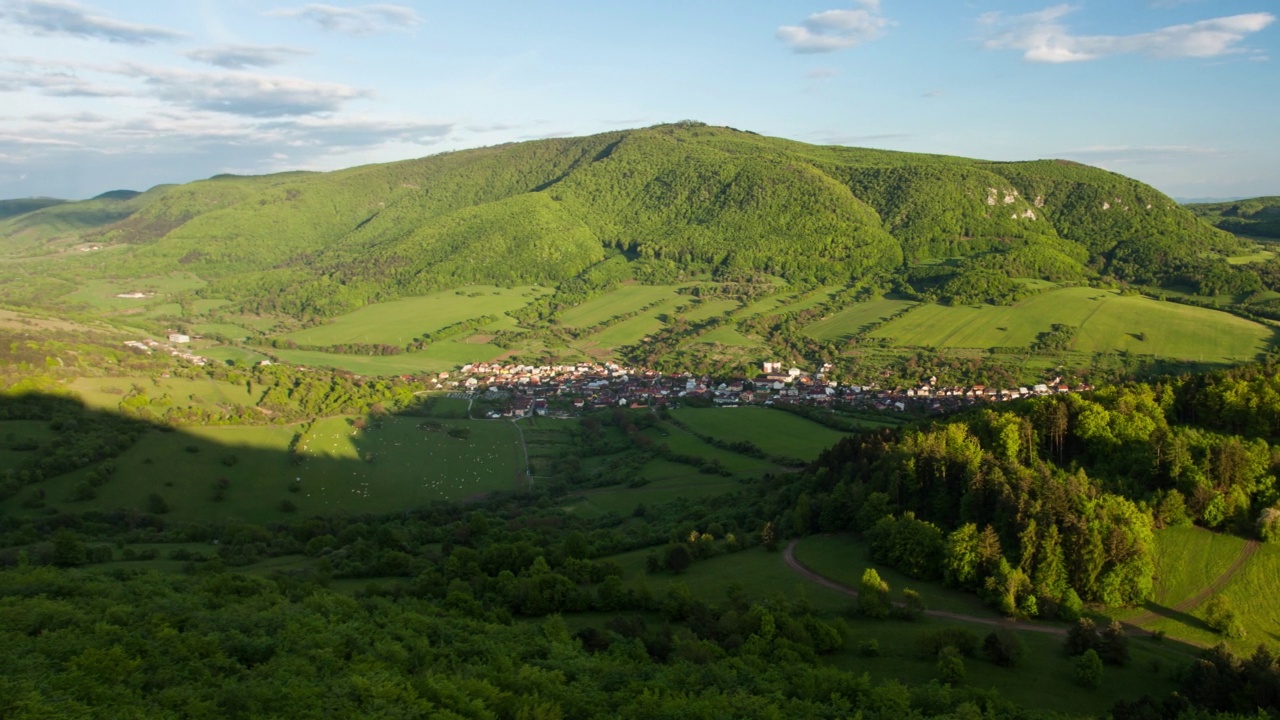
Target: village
[(565, 390)]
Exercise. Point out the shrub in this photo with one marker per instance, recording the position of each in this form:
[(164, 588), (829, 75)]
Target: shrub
[(869, 648), (1088, 670), (873, 595), (931, 643), (1220, 616), (950, 665), (1003, 647)]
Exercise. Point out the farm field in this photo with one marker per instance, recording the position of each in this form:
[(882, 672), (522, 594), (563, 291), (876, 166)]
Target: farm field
[(625, 299), (1106, 321), (851, 320), (627, 332), (225, 329), (398, 322), (342, 470), (709, 309), (773, 431), (447, 355)]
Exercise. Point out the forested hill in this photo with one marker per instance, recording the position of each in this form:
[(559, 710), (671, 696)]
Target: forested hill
[(1257, 217), (676, 198)]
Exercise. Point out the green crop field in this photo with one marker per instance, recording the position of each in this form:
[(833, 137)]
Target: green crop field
[(851, 320), (625, 299), (224, 329), (343, 470), (1106, 321), (773, 431), (398, 322)]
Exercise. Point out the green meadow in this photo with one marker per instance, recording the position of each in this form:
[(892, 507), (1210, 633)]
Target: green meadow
[(1107, 321), (387, 467), (850, 321), (101, 294), (399, 322), (622, 300), (106, 393), (437, 357), (773, 431)]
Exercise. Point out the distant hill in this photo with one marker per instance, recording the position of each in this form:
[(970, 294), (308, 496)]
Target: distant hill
[(21, 206), (1255, 217), (118, 195), (683, 198)]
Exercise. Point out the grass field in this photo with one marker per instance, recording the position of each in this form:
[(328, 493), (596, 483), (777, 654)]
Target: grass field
[(774, 431), (669, 481), (447, 355), (625, 299), (627, 332), (224, 329), (1106, 321), (682, 442), (843, 558), (1188, 558), (851, 320), (1253, 594), (101, 294), (241, 355), (343, 470), (400, 321), (106, 393), (1043, 680), (18, 433), (727, 336), (710, 308)]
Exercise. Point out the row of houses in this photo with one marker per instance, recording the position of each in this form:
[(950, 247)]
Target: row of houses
[(573, 388), (149, 345)]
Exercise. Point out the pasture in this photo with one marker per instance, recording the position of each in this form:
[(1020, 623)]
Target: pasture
[(340, 469), (853, 319), (682, 442), (728, 336), (106, 393), (233, 353), (437, 357), (668, 481), (622, 300), (398, 322), (773, 431), (101, 294), (1107, 321)]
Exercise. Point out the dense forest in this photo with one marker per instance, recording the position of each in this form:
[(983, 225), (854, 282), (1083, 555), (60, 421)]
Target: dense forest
[(1256, 217)]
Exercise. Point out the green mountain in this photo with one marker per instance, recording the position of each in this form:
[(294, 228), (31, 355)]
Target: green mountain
[(1255, 217), (689, 196), (21, 206)]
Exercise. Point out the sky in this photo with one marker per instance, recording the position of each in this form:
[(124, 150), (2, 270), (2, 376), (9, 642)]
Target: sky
[(127, 94)]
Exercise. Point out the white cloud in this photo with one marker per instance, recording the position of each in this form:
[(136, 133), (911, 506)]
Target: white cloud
[(239, 57), (58, 84), (63, 17), (358, 21), (832, 30), (241, 93), (1042, 37)]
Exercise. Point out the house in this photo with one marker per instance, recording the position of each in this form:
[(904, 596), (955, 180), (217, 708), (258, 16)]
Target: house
[(179, 338)]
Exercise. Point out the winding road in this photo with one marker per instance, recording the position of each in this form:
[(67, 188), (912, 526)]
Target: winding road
[(1251, 547)]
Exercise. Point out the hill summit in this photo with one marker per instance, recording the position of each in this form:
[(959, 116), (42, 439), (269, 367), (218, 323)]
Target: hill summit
[(672, 199)]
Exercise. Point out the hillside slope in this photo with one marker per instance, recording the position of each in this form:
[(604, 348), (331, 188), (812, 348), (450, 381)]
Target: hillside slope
[(686, 196), (1257, 217)]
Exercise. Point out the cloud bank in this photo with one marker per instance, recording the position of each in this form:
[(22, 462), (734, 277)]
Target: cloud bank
[(357, 21), (63, 17), (1043, 37)]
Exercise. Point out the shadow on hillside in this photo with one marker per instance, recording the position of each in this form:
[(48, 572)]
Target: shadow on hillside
[(66, 462), (1178, 616)]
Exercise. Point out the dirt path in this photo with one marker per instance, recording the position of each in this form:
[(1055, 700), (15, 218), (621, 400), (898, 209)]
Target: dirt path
[(1190, 603), (1218, 583), (789, 555), (524, 447)]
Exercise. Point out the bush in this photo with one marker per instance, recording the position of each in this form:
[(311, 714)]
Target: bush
[(1088, 670), (869, 648), (873, 595), (950, 666), (931, 643), (157, 505), (1003, 647), (1083, 637), (1220, 616), (1115, 645)]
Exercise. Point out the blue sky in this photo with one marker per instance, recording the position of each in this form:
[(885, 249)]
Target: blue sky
[(106, 94)]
